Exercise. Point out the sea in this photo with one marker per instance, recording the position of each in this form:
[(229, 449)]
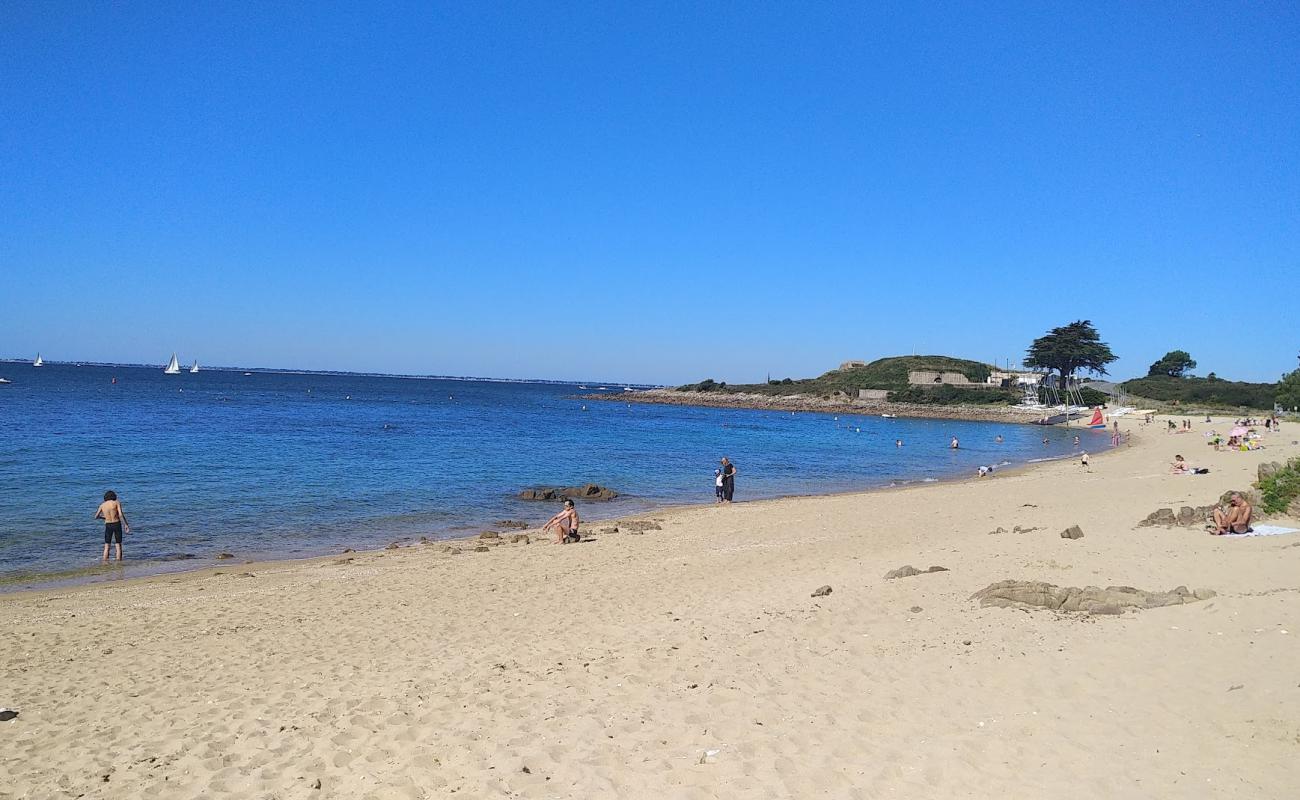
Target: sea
[(270, 465)]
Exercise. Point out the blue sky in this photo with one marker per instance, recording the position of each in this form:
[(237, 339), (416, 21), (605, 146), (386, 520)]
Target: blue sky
[(648, 192)]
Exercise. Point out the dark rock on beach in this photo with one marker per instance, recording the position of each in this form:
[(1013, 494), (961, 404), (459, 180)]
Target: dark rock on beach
[(489, 535), (1072, 532), (639, 526), (1112, 600), (224, 556), (907, 571), (590, 491), (822, 591), (520, 538), (512, 524)]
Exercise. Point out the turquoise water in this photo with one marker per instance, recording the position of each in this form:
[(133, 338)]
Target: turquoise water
[(286, 465)]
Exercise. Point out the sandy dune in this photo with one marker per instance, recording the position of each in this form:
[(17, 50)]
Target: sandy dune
[(691, 661)]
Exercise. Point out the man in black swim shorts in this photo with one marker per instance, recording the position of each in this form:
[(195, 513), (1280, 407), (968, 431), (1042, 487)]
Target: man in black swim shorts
[(115, 523)]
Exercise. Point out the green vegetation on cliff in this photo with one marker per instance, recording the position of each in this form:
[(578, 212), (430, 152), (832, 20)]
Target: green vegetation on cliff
[(1209, 391), (889, 374), (1280, 489)]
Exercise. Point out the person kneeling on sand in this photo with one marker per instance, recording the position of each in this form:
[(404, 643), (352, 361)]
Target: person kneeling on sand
[(1234, 518), (1180, 467), (565, 524)]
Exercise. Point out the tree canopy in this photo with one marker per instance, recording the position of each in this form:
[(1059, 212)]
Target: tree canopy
[(1288, 391), (1175, 364), (1068, 349)]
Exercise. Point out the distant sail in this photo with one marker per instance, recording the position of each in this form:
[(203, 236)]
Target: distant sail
[(38, 362), (194, 368), (173, 366)]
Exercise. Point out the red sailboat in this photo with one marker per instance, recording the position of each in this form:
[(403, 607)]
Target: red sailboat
[(1096, 421)]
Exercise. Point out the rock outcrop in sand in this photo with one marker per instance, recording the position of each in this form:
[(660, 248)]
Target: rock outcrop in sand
[(907, 571), (1088, 600)]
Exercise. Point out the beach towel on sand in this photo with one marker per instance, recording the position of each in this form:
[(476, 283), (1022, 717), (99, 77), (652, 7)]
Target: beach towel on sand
[(1263, 530)]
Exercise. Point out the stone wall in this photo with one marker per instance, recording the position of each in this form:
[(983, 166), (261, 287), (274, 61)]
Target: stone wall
[(928, 378)]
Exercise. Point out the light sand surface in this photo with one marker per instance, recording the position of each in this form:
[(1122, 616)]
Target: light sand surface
[(691, 662)]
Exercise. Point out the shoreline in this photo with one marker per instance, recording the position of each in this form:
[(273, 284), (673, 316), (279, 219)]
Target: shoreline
[(762, 402), (693, 654), (85, 577)]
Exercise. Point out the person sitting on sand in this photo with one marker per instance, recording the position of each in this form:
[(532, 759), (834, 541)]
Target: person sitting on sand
[(1234, 518), (565, 524), (1180, 467), (115, 523)]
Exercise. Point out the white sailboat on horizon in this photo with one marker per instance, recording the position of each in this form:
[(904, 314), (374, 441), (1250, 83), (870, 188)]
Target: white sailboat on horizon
[(194, 368), (39, 362), (173, 366)]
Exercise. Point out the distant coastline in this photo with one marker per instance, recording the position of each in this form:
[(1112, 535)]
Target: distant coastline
[(331, 372), (676, 397)]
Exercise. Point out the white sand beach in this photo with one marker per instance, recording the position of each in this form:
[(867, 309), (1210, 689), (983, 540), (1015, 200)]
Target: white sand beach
[(692, 662)]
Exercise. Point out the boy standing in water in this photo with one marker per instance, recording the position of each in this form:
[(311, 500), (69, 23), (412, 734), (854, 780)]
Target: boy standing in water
[(115, 523)]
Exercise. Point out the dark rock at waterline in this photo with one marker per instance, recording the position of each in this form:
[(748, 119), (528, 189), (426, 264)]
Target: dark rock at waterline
[(392, 546), (224, 556), (590, 491), (489, 535), (511, 524)]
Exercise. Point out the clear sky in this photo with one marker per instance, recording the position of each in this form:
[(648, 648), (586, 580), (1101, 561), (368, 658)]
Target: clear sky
[(649, 192)]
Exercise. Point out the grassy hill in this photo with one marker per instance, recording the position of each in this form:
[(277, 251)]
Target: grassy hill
[(1203, 391), (885, 373)]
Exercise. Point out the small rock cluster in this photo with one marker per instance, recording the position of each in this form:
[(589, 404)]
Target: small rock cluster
[(1112, 600), (634, 526), (1193, 516)]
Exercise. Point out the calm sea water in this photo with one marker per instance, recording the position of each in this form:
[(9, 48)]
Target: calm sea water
[(285, 465)]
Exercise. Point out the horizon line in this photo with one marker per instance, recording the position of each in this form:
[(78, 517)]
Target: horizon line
[(297, 371)]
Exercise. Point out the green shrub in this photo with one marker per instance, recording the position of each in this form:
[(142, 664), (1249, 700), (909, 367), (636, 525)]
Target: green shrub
[(1204, 391), (1279, 490), (945, 395)]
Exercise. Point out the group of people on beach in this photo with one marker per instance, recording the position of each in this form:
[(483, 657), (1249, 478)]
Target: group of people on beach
[(565, 523)]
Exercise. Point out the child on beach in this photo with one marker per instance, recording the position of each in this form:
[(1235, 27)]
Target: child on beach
[(115, 523), (1083, 462), (717, 484)]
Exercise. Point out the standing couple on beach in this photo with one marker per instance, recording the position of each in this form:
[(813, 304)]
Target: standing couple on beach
[(724, 481)]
